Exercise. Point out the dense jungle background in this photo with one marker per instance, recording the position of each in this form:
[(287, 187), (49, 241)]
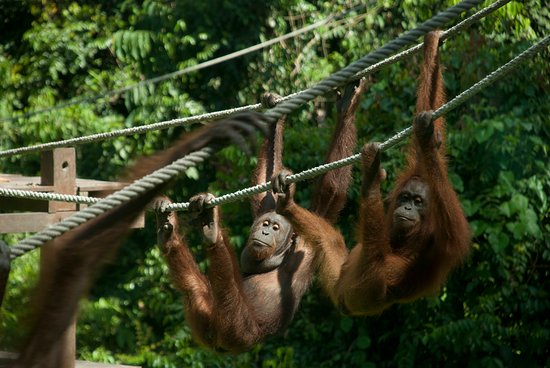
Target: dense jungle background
[(493, 311)]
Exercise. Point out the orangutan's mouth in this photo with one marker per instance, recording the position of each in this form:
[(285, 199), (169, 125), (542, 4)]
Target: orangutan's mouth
[(259, 243)]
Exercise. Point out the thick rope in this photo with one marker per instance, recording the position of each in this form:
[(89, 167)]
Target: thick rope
[(307, 174), (392, 141), (162, 125), (134, 190), (303, 96), (87, 200), (284, 108), (329, 21), (348, 72), (27, 194), (446, 34)]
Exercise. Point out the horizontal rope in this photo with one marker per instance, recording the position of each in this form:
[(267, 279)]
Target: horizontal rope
[(254, 107), (86, 200), (79, 199), (459, 99), (124, 195), (392, 141), (284, 108), (193, 68), (47, 196)]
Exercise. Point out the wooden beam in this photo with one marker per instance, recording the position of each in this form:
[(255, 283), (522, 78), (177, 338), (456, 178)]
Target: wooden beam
[(7, 359), (58, 168), (36, 221)]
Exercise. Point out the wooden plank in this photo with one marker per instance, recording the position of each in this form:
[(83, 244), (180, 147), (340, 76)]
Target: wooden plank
[(6, 359), (64, 354), (58, 174), (22, 204), (32, 183), (29, 221), (36, 221), (58, 168)]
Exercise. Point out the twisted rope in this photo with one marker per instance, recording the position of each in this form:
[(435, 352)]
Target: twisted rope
[(27, 194), (263, 187), (170, 123), (295, 99), (446, 34), (162, 175), (134, 190), (348, 72), (316, 171), (392, 141), (129, 131)]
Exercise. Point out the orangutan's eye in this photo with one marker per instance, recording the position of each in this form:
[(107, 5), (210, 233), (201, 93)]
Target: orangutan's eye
[(275, 227), (265, 223)]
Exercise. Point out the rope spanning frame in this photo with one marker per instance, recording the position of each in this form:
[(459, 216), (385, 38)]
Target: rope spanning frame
[(254, 107), (48, 196), (223, 113), (218, 60), (392, 141), (170, 171), (124, 195), (307, 174), (162, 125)]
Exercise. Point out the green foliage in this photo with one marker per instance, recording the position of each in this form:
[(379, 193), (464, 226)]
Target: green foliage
[(492, 311)]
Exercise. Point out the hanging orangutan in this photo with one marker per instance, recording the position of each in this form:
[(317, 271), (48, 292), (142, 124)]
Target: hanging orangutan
[(406, 251), (232, 308), (81, 251)]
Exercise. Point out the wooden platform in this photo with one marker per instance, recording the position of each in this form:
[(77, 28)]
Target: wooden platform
[(57, 174), (7, 358), (34, 215)]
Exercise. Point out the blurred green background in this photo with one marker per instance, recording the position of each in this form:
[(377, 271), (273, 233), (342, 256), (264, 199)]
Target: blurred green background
[(493, 311)]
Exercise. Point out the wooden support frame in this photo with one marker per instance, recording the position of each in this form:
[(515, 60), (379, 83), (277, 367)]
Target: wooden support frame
[(58, 169), (58, 174)]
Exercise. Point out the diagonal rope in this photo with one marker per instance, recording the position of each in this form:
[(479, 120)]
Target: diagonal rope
[(170, 171), (129, 131), (348, 72), (392, 141), (88, 200), (218, 60), (446, 34), (491, 78), (369, 68)]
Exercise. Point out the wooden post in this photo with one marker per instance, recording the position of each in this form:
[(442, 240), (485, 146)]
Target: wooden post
[(58, 169), (58, 174)]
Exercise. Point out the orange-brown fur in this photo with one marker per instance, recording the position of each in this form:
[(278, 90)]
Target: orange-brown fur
[(5, 265), (378, 271), (231, 312), (81, 251)]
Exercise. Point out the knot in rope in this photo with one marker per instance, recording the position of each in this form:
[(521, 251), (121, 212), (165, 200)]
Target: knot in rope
[(269, 100)]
